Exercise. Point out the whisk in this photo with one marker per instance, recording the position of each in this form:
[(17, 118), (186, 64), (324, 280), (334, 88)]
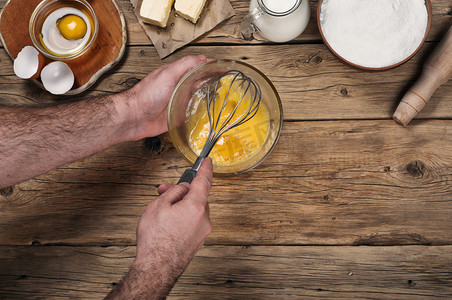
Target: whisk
[(218, 127)]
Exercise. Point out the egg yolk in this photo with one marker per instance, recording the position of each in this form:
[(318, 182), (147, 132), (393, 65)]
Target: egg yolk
[(72, 27), (238, 144)]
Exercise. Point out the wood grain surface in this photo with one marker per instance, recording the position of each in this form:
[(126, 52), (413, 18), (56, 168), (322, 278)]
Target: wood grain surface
[(348, 205), (312, 83), (332, 183), (407, 272)]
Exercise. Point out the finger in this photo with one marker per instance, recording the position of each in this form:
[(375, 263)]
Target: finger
[(206, 171), (163, 188), (201, 185), (174, 194), (185, 64)]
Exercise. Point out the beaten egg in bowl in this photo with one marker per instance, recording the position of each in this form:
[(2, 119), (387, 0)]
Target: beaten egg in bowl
[(240, 149)]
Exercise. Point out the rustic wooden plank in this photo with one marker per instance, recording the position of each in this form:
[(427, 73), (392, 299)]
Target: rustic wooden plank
[(339, 272), (61, 272), (229, 31), (409, 272), (312, 83), (326, 183)]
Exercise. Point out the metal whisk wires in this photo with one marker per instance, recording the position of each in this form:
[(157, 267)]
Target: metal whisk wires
[(217, 128), (223, 121)]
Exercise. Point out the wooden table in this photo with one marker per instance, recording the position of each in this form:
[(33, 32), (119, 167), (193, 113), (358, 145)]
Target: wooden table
[(349, 204)]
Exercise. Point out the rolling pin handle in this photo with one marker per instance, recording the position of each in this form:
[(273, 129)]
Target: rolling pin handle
[(436, 71)]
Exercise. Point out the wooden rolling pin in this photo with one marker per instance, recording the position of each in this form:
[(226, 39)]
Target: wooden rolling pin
[(436, 71)]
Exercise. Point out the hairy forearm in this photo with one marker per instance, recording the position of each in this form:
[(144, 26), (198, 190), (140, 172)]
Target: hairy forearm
[(35, 140), (171, 230), (153, 281)]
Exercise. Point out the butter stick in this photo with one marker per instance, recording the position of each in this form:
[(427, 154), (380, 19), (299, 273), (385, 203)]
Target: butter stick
[(189, 9), (156, 12)]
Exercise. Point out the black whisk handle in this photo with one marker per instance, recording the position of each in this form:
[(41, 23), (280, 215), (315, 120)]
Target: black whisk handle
[(188, 176)]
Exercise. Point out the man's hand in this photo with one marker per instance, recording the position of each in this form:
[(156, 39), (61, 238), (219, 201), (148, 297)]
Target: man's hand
[(151, 95), (170, 232)]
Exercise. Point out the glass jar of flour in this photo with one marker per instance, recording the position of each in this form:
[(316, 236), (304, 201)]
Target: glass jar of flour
[(276, 20)]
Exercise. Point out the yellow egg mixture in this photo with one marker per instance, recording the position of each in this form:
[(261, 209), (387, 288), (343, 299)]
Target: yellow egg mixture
[(238, 144)]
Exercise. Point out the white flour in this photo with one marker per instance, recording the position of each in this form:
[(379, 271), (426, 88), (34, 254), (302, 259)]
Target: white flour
[(374, 33)]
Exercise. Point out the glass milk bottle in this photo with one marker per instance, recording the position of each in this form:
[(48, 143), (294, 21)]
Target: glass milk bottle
[(276, 20)]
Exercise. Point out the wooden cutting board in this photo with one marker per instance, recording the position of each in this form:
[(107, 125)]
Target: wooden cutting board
[(106, 51)]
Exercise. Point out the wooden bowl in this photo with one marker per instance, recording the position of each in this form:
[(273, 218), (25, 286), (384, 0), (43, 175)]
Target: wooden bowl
[(106, 51), (429, 23)]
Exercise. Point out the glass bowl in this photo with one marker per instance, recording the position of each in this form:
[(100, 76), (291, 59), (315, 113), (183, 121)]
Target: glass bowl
[(197, 78), (44, 9)]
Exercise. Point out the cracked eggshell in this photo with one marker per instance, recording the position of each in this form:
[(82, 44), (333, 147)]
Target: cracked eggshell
[(57, 78), (28, 63)]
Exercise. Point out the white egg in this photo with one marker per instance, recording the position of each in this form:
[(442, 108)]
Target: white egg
[(28, 63), (57, 77), (52, 37)]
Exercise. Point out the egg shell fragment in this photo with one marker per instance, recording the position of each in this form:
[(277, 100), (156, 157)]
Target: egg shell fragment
[(57, 78), (28, 63)]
